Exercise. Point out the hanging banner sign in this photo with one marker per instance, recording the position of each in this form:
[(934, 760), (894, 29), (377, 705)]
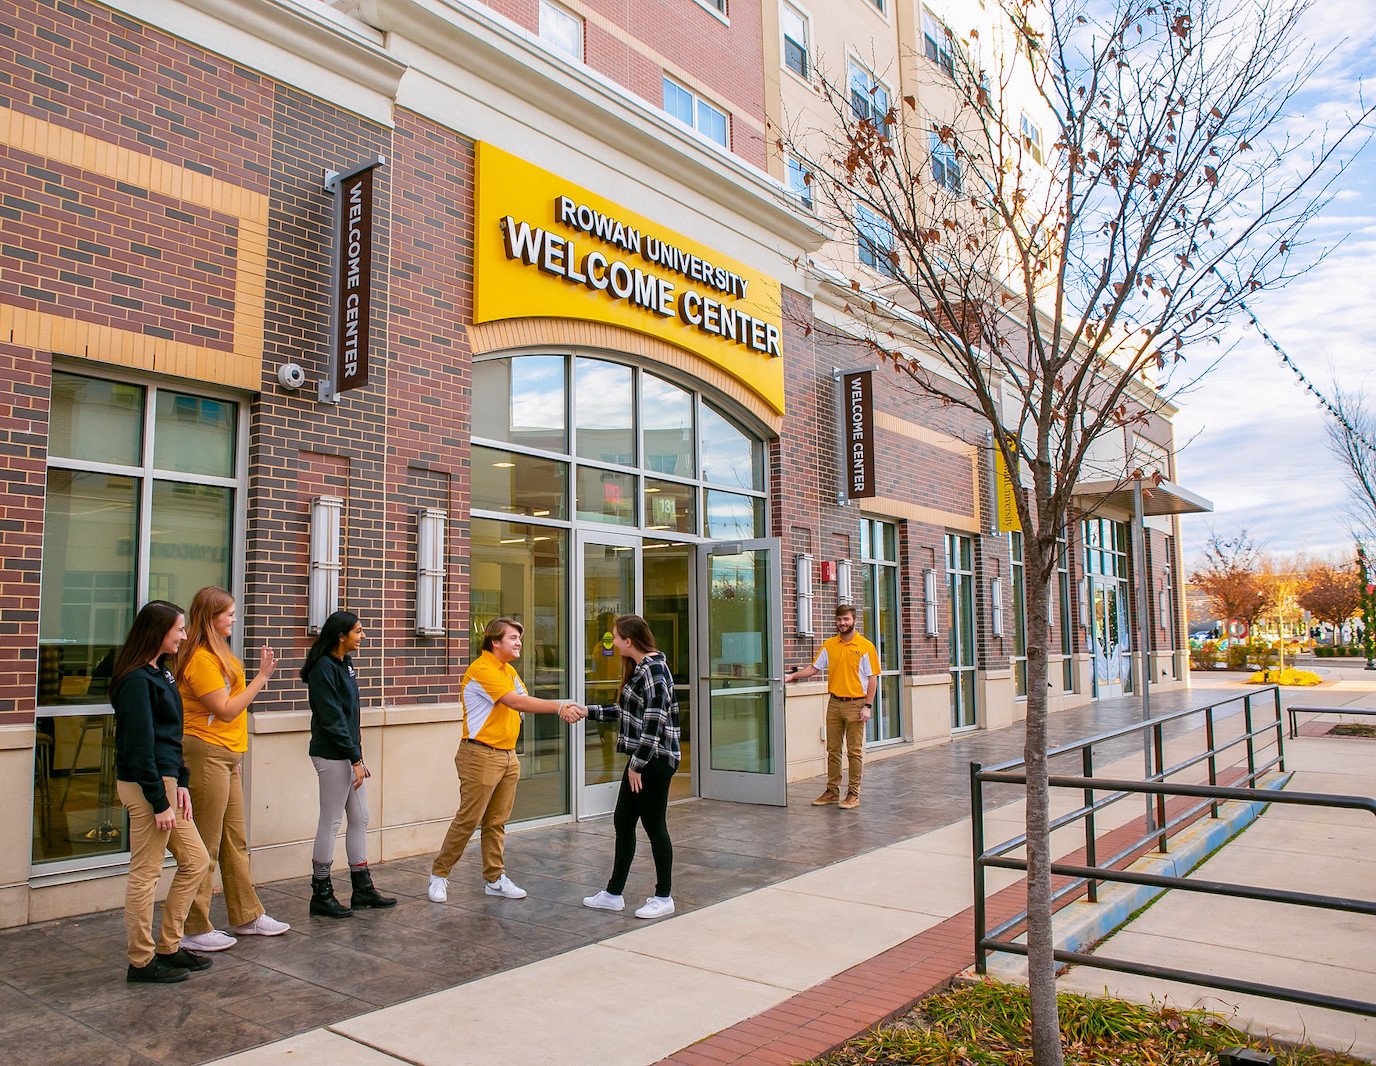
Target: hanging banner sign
[(1005, 502), (546, 248), (351, 303), (857, 407)]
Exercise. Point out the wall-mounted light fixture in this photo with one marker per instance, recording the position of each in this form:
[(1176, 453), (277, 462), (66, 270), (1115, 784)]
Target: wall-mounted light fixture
[(929, 602), (996, 605), (430, 572), (1164, 610), (1081, 593), (804, 582), (323, 597), (843, 571)]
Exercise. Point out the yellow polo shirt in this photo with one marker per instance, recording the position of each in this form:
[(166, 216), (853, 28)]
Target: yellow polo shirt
[(848, 664), (203, 675), (485, 720)]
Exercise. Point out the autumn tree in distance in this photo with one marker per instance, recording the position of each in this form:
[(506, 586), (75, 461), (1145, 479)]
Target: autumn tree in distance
[(1055, 289)]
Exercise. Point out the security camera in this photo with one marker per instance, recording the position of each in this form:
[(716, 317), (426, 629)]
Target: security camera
[(291, 376)]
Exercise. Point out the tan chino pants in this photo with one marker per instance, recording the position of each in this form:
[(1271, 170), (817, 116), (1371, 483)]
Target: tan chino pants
[(217, 804), (147, 844), (487, 792), (844, 722)]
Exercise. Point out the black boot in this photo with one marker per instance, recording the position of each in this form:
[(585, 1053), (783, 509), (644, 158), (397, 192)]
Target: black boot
[(365, 895), (323, 903)]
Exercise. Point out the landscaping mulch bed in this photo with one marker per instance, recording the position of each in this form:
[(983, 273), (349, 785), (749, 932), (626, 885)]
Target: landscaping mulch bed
[(986, 1022)]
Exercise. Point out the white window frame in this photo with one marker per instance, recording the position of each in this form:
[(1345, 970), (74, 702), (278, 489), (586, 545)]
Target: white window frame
[(946, 170), (785, 37), (874, 97), (1031, 136), (698, 105), (798, 185), (937, 45), (561, 17), (874, 235)]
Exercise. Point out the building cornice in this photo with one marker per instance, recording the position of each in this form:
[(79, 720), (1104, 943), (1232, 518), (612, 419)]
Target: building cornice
[(309, 45), (497, 51)]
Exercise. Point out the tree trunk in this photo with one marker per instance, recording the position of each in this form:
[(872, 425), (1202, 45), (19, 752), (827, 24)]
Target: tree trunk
[(1041, 966)]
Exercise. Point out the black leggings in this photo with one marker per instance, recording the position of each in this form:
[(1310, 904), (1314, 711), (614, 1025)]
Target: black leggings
[(648, 807)]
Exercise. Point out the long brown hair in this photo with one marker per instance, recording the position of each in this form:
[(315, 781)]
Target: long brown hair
[(144, 642), (207, 605), (635, 629)]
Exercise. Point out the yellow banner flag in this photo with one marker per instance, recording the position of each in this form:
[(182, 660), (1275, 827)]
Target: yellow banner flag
[(1005, 501)]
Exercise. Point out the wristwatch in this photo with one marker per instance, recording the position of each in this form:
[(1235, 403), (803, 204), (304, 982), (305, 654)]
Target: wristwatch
[(870, 706)]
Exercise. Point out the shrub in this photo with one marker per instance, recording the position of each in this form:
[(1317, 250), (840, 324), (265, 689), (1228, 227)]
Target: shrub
[(1288, 676)]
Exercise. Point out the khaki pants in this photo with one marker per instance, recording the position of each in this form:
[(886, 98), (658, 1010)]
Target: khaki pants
[(843, 720), (217, 804), (147, 843), (487, 792)]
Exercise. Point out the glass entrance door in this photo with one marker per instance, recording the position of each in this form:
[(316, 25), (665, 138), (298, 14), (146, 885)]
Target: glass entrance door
[(741, 742), (609, 571), (1110, 638)]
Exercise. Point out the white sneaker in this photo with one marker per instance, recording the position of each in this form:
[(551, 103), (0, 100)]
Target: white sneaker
[(263, 925), (605, 901), (439, 889), (504, 886), (656, 907), (211, 941)]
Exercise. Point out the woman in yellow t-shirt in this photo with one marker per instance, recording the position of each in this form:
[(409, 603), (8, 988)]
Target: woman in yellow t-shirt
[(215, 703)]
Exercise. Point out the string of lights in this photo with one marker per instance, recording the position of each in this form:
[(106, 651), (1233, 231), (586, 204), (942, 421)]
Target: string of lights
[(1352, 432)]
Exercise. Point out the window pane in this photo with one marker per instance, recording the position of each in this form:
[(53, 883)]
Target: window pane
[(76, 809), (96, 420), (521, 401), (189, 544), (603, 404), (678, 101), (561, 29), (732, 517), (194, 434), (729, 457), (520, 484), (666, 412), (521, 572), (90, 529), (712, 123), (671, 506), (606, 496)]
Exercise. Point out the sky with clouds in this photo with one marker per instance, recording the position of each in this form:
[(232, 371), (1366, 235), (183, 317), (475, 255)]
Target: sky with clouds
[(1250, 438)]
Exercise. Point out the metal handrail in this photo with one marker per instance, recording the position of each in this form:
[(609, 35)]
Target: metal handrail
[(1255, 763)]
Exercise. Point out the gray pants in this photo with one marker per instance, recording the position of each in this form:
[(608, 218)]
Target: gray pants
[(338, 798)]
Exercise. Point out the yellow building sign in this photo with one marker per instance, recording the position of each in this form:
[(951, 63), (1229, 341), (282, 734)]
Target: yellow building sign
[(1005, 499), (545, 248)]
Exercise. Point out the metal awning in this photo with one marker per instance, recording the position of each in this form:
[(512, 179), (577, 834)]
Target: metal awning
[(1158, 498)]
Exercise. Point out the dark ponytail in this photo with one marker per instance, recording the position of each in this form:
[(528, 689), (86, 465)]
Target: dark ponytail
[(335, 629)]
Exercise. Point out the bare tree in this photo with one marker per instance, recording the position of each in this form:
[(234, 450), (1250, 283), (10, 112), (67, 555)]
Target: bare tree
[(1352, 440), (1229, 574), (1048, 285)]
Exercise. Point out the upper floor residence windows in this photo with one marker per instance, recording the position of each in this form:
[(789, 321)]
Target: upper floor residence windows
[(562, 30), (869, 99), (696, 113), (945, 164), (797, 54), (936, 43), (800, 182), (1031, 137), (875, 240)]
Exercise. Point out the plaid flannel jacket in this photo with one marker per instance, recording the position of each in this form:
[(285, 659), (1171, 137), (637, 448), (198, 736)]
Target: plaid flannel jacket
[(647, 714)]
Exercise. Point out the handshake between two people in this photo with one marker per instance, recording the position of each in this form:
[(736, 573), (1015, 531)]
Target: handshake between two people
[(572, 712)]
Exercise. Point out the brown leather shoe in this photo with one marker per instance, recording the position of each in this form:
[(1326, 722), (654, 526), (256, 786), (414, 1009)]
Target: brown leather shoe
[(826, 798), (851, 801)]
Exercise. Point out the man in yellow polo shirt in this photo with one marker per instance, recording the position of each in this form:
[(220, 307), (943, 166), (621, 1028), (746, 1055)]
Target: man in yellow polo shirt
[(851, 664), (493, 698)]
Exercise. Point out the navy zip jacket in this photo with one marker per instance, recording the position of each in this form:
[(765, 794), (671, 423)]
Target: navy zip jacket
[(148, 733), (336, 726)]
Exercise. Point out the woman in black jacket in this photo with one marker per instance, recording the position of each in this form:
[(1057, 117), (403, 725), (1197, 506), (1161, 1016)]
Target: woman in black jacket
[(152, 782), (647, 715), (337, 753)]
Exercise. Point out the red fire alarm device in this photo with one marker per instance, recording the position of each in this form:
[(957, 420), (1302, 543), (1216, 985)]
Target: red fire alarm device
[(828, 572)]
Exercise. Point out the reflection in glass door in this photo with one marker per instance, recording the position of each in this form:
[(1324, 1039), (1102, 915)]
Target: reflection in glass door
[(1112, 669), (669, 574), (960, 635), (609, 570), (742, 679)]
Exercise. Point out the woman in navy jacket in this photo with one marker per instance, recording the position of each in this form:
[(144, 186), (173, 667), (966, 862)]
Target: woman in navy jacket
[(337, 754), (151, 779)]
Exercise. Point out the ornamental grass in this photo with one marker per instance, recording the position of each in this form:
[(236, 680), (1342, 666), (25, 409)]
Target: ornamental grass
[(988, 1023), (1288, 676)]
